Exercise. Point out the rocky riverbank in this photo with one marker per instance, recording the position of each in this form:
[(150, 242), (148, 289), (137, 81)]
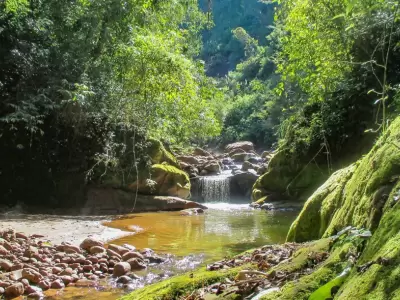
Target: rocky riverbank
[(31, 265)]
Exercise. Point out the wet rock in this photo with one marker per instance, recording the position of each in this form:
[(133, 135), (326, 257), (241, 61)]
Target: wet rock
[(136, 264), (155, 259), (57, 284), (35, 295), (85, 283), (66, 279), (121, 269), (191, 211), (91, 242), (124, 279), (14, 291), (44, 285), (97, 250), (132, 254)]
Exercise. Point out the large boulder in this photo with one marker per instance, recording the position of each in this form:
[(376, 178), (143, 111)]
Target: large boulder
[(158, 154), (165, 180), (201, 152), (245, 146), (212, 167), (289, 177), (241, 185), (191, 160)]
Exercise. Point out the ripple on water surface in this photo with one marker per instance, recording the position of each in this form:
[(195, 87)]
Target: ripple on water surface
[(224, 229)]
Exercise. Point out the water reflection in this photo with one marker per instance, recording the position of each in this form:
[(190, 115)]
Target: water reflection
[(225, 229)]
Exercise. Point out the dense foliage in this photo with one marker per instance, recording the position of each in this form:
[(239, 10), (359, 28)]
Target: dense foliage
[(222, 50), (79, 80), (329, 73)]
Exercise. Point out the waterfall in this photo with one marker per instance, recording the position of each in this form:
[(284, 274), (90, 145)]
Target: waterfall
[(215, 188)]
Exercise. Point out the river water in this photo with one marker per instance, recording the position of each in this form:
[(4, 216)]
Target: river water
[(188, 242), (224, 229)]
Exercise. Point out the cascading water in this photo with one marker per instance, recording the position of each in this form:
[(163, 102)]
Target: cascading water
[(215, 188)]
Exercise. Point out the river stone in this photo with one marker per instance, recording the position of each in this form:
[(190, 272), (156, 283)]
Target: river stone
[(121, 269), (85, 283), (71, 249), (113, 253), (5, 264), (119, 249), (44, 284), (14, 291), (124, 279), (132, 254), (91, 242), (136, 264), (3, 251), (57, 284), (97, 250), (31, 275), (2, 290)]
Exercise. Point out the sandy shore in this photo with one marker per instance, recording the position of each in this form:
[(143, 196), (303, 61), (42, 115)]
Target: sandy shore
[(57, 229)]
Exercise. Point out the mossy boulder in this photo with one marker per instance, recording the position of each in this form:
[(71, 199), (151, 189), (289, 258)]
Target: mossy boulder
[(355, 195), (158, 154), (365, 194), (164, 180), (288, 177)]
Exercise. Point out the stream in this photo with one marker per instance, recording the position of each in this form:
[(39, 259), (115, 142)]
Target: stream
[(188, 242)]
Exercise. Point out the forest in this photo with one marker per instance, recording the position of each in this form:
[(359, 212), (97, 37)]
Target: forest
[(276, 122)]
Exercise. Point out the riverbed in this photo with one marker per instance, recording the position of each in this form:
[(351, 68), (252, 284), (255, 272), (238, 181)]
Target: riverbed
[(185, 241)]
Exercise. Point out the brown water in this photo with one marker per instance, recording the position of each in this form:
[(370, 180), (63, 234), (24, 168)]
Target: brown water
[(189, 241), (224, 229)]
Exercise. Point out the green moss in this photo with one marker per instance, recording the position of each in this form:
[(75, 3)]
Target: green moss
[(288, 177), (176, 286), (380, 281), (353, 196), (319, 208), (158, 154)]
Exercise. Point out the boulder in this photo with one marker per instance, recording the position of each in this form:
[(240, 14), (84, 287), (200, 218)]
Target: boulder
[(15, 290), (241, 184), (201, 152), (248, 165), (158, 154), (136, 264), (212, 167), (241, 157), (191, 160), (235, 151), (245, 146), (121, 268), (91, 242), (165, 180)]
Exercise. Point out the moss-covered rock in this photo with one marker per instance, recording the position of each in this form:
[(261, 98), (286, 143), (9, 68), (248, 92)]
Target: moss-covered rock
[(288, 177), (355, 195), (158, 154), (176, 286), (165, 180), (317, 212), (366, 194)]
